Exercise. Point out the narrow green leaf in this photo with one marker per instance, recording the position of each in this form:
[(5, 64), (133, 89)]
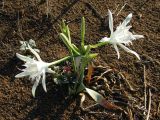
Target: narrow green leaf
[(87, 49), (93, 55), (68, 44), (82, 32), (65, 40), (68, 33), (63, 24), (63, 27), (75, 47)]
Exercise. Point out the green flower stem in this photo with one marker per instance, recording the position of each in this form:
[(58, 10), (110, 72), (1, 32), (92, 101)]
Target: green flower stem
[(60, 60), (99, 44)]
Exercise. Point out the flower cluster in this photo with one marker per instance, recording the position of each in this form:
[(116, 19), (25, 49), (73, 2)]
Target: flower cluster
[(121, 36), (35, 69), (80, 57)]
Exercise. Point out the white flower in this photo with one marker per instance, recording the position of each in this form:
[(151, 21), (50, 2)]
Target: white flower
[(24, 45), (121, 36), (35, 69)]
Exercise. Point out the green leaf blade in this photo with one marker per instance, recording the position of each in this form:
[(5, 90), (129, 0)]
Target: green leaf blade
[(82, 32)]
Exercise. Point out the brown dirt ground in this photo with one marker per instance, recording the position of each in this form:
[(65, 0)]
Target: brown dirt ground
[(16, 101)]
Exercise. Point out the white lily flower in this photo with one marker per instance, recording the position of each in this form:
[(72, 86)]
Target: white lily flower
[(121, 36), (35, 69)]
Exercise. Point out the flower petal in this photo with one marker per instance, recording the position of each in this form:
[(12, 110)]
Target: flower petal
[(35, 85), (35, 53), (105, 39), (22, 74), (23, 58), (44, 81), (138, 36), (49, 70), (128, 50), (110, 21), (127, 20), (116, 48)]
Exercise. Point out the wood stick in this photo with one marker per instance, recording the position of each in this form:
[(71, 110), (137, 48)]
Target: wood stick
[(145, 94), (121, 9), (47, 9), (149, 104)]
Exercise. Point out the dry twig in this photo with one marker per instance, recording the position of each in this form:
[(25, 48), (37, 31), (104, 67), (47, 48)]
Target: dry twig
[(19, 27), (80, 118), (158, 108), (99, 77), (130, 114), (98, 112), (149, 104), (82, 98), (145, 86), (127, 82), (116, 9), (47, 8), (121, 9), (3, 4), (90, 106)]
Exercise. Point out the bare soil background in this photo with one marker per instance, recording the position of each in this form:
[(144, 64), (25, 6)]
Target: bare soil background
[(26, 19)]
